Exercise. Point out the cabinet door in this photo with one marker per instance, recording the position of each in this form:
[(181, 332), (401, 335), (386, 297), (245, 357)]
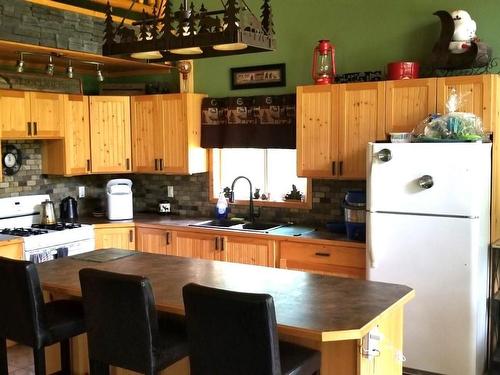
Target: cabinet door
[(14, 114), (47, 114), (77, 135), (246, 250), (362, 116), (341, 261), (156, 241), (317, 135), (175, 135), (476, 95), (12, 251), (198, 245), (408, 102), (147, 133), (110, 134), (117, 237)]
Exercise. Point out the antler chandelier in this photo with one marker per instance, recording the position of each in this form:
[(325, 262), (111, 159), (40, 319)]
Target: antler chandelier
[(166, 35)]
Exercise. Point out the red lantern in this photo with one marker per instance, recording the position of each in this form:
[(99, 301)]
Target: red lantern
[(323, 70)]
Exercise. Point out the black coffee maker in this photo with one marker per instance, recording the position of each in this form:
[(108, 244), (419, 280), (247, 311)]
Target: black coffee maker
[(69, 210)]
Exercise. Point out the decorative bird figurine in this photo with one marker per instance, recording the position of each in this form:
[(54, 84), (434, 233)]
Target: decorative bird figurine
[(468, 53), (464, 33)]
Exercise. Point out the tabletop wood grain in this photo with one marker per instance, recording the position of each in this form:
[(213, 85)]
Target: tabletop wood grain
[(309, 304)]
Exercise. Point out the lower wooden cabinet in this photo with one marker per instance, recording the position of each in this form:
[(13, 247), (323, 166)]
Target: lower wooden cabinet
[(342, 260), (248, 250), (115, 236), (156, 241), (13, 250), (198, 245)]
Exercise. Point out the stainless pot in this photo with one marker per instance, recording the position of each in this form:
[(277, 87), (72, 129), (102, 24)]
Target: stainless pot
[(48, 213), (354, 215)]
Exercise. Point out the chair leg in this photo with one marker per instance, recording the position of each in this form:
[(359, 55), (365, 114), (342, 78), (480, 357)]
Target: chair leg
[(65, 358), (4, 366), (98, 368), (39, 360)]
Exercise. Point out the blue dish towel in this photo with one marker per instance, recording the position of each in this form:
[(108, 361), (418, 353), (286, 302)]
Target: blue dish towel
[(62, 252)]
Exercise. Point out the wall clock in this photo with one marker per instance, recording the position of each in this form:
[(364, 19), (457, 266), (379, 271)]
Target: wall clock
[(12, 160)]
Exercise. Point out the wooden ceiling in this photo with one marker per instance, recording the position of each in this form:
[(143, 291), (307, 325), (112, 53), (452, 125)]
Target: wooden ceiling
[(111, 66)]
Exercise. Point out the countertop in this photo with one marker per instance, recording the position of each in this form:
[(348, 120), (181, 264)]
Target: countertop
[(292, 231), (326, 308)]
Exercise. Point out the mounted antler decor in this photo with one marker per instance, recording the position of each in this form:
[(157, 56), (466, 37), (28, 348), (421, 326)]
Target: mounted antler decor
[(189, 34)]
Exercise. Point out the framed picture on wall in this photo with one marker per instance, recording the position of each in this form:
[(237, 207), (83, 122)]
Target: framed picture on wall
[(250, 77)]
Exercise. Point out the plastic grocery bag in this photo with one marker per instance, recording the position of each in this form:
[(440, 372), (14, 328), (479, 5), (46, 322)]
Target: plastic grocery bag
[(453, 126)]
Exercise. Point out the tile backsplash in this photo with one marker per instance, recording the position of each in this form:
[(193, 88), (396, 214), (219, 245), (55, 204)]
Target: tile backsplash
[(190, 192)]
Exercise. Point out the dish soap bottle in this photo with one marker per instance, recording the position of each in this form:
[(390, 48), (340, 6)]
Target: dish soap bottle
[(222, 208)]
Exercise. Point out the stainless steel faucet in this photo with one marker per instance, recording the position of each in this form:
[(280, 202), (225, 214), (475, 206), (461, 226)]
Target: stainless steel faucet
[(251, 215)]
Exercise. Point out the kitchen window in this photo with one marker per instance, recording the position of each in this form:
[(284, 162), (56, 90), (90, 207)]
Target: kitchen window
[(272, 171)]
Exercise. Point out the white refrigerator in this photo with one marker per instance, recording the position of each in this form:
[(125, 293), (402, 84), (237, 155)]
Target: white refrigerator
[(428, 220)]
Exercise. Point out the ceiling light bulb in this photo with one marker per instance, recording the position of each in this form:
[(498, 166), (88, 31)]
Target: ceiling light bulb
[(49, 69), (100, 77), (20, 64), (149, 55), (69, 70), (230, 47), (187, 51)]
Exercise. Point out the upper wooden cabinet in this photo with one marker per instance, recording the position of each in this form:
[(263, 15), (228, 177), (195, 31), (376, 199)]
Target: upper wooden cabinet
[(111, 150), (166, 134), (71, 156), (31, 115), (477, 96), (408, 102), (334, 123)]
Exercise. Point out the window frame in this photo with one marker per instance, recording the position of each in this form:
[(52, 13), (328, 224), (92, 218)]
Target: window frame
[(305, 204)]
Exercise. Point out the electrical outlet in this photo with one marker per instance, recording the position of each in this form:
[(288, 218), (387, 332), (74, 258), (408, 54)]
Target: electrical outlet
[(81, 191), (170, 191)]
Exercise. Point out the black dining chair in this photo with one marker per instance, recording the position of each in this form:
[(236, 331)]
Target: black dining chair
[(236, 333), (123, 327), (26, 319)]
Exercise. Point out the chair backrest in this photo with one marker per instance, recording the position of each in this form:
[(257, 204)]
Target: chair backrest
[(121, 319), (231, 332), (22, 315)]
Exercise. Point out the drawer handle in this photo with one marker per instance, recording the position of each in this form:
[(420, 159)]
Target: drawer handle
[(320, 254)]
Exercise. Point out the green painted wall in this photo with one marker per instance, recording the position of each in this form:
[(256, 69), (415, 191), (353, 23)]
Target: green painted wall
[(367, 34)]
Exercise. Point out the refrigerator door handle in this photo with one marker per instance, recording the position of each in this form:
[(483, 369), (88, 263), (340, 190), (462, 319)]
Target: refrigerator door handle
[(384, 155), (370, 252)]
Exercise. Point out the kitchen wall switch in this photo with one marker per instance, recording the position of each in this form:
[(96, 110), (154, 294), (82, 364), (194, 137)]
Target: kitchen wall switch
[(81, 191), (170, 191)]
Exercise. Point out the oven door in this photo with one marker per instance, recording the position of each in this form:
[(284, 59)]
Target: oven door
[(59, 251)]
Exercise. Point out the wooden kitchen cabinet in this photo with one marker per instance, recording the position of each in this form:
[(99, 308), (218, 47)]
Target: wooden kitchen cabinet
[(31, 115), (335, 260), (166, 134), (335, 122), (198, 245), (13, 249), (408, 102), (478, 94), (71, 156), (120, 237), (156, 241), (248, 250), (317, 130), (111, 150)]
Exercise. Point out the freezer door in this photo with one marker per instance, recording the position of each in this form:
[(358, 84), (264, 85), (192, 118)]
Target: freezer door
[(441, 259), (429, 178)]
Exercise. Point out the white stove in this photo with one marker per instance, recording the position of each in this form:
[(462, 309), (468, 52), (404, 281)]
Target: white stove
[(20, 216)]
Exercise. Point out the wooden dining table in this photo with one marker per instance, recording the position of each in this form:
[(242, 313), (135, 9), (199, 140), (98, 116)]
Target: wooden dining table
[(331, 314)]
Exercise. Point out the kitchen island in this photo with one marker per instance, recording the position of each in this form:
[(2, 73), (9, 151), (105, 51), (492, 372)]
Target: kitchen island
[(327, 313)]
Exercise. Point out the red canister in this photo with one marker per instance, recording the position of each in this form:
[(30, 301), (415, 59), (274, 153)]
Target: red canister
[(403, 70)]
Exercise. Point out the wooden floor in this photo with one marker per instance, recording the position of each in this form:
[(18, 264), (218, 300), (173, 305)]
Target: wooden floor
[(20, 359)]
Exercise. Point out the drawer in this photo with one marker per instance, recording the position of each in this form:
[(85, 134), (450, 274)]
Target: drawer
[(323, 254)]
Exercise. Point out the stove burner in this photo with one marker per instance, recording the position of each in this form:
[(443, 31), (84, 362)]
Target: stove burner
[(57, 226), (23, 232)]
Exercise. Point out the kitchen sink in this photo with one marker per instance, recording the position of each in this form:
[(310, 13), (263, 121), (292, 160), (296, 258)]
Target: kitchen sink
[(239, 225)]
